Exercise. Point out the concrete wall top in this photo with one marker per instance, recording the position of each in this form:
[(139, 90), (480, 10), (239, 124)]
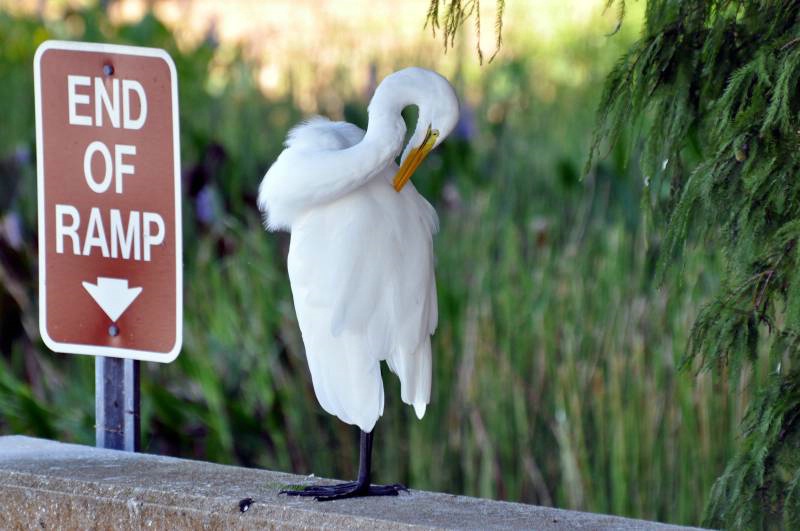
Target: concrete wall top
[(51, 485)]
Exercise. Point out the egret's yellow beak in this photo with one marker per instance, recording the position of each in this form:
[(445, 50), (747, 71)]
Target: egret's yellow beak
[(414, 159)]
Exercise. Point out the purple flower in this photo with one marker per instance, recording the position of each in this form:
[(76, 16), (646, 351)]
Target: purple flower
[(465, 128), (11, 230), (22, 155), (205, 205)]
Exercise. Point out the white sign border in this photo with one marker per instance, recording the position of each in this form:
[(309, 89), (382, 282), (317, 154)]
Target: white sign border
[(93, 350)]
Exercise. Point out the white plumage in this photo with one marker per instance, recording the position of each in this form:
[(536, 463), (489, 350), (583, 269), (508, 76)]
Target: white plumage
[(361, 260)]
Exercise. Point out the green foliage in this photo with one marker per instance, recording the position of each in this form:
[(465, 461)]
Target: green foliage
[(711, 90), (456, 13), (766, 459), (556, 368)]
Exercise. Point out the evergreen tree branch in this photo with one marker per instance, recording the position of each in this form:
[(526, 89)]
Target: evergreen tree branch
[(710, 96), (456, 13)]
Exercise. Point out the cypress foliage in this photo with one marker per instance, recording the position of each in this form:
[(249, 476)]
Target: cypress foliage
[(711, 91), (449, 15)]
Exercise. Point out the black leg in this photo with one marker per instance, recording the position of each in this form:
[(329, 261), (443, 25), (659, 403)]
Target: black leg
[(353, 489), (365, 458)]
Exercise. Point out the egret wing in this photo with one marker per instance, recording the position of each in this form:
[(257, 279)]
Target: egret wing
[(363, 282)]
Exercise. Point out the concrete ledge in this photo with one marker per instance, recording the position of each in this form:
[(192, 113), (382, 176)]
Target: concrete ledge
[(50, 485)]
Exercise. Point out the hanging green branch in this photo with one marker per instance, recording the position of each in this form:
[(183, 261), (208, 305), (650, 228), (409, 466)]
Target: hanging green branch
[(710, 94), (455, 14)]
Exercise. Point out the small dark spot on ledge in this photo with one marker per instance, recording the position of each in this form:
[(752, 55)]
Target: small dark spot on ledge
[(245, 504)]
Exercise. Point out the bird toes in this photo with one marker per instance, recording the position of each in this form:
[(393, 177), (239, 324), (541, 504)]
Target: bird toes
[(343, 491)]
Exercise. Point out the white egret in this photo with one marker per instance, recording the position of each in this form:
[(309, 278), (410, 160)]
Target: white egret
[(361, 256)]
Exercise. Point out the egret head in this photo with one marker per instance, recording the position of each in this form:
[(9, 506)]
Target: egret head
[(438, 114)]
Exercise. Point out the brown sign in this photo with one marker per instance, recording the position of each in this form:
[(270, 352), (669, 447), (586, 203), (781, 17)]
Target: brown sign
[(110, 279)]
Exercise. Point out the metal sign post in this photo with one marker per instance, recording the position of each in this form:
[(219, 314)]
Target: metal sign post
[(117, 422), (110, 261)]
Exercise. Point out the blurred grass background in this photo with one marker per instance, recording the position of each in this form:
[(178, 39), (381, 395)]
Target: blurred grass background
[(557, 375)]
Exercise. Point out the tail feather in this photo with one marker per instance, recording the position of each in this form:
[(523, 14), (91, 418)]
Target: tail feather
[(414, 371)]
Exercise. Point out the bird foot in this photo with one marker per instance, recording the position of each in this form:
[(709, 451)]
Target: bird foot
[(342, 491)]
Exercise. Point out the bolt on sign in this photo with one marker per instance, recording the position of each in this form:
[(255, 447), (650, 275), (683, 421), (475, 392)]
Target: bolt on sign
[(108, 162)]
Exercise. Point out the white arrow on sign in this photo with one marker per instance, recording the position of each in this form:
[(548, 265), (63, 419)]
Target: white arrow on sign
[(112, 295)]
